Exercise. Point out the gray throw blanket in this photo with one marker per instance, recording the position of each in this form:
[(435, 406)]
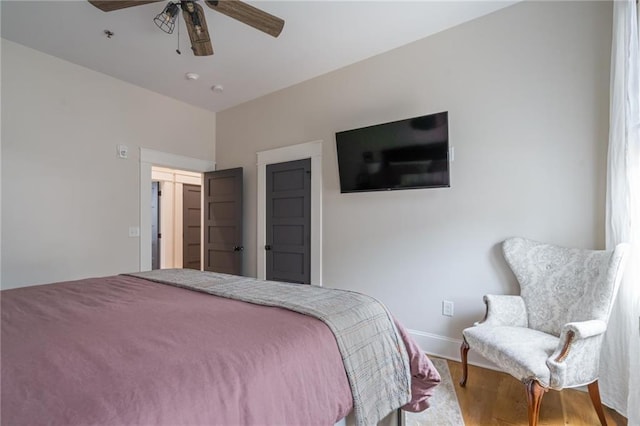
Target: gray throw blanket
[(374, 355)]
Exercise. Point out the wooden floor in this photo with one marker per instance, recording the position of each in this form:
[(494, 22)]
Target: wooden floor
[(493, 398)]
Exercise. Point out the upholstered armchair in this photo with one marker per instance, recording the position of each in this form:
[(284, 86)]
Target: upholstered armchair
[(549, 337)]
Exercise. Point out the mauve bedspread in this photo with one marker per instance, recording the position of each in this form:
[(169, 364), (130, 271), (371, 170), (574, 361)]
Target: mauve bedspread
[(373, 353), (126, 351)]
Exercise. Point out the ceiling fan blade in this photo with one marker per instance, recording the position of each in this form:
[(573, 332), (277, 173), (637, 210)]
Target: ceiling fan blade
[(193, 15), (109, 5), (249, 15)]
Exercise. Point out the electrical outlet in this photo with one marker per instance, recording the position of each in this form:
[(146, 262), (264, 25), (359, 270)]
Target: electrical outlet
[(447, 308)]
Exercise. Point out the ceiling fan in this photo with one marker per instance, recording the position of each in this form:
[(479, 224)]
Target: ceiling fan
[(194, 18)]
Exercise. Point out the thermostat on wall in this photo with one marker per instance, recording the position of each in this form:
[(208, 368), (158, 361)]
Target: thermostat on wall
[(123, 151)]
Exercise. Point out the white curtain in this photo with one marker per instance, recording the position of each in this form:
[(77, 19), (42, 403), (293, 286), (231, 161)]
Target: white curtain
[(620, 361)]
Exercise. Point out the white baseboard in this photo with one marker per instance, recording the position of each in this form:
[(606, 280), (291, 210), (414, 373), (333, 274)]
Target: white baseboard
[(448, 348)]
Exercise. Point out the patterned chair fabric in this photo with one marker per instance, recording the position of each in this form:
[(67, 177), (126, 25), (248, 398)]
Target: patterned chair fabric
[(564, 291), (562, 285)]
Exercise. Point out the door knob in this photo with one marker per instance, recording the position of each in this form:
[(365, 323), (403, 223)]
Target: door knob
[(238, 248), (267, 247)]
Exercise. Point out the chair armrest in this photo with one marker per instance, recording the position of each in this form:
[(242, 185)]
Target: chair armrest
[(576, 358), (505, 310), (584, 329)]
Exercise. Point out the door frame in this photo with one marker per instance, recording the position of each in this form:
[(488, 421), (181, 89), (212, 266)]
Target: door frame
[(149, 158), (155, 199), (301, 151)]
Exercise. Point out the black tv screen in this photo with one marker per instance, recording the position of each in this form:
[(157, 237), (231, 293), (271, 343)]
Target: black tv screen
[(404, 154)]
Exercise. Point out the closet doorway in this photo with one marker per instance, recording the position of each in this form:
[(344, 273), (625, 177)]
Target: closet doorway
[(179, 218), (288, 221), (312, 150)]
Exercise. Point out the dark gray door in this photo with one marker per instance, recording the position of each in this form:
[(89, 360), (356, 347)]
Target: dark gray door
[(288, 220), (155, 225), (223, 221), (191, 226)]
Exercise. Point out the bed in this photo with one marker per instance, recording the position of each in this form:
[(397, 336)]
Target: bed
[(183, 347)]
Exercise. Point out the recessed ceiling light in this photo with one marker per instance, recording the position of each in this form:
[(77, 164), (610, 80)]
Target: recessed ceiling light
[(192, 76), (217, 88)]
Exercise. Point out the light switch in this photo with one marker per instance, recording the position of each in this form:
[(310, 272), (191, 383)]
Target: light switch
[(134, 231)]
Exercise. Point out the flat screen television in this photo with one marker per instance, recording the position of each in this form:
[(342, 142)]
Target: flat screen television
[(405, 154)]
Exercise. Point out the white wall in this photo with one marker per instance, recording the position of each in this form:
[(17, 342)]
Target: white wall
[(67, 201), (527, 93)]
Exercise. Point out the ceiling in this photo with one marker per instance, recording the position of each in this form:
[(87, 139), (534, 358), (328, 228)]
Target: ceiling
[(318, 37)]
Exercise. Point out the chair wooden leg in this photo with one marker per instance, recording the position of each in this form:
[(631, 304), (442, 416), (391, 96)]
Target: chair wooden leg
[(594, 393), (464, 349), (535, 392)]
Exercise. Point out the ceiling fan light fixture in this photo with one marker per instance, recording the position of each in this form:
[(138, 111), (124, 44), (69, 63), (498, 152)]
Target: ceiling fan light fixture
[(166, 20), (195, 20)]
